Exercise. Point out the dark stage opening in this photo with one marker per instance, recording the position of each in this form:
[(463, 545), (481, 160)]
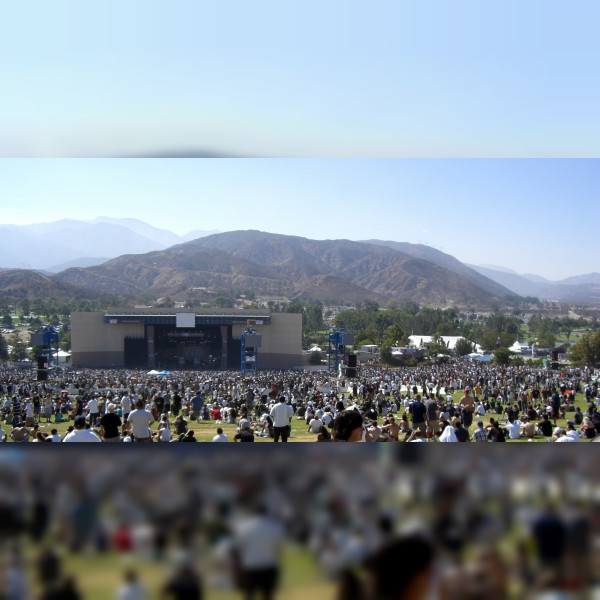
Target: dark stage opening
[(198, 348)]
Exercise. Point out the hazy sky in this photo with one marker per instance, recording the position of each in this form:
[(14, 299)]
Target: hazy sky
[(337, 78), (537, 216)]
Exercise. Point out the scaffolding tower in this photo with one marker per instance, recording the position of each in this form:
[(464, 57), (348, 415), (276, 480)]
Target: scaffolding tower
[(338, 340), (251, 342)]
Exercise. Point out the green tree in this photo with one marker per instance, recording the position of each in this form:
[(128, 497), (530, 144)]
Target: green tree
[(25, 306), (587, 350), (314, 317), (7, 320), (64, 341), (385, 354), (503, 356), (3, 349), (395, 335), (438, 346), (223, 302), (35, 323), (315, 358), (463, 347), (18, 349), (489, 340)]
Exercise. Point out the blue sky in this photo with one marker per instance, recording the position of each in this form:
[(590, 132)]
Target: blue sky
[(422, 78), (532, 215)]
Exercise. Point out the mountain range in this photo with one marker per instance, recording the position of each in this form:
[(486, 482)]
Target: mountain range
[(52, 247), (141, 260), (581, 288)]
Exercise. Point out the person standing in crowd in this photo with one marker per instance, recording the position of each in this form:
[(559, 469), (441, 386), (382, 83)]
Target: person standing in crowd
[(257, 544), (467, 405), (282, 414), (110, 425)]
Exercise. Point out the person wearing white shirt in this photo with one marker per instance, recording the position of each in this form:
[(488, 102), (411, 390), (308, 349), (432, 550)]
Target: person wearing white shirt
[(258, 541), (93, 410), (80, 433), (281, 414), (220, 437), (514, 429), (572, 433), (139, 422), (132, 589), (315, 425)]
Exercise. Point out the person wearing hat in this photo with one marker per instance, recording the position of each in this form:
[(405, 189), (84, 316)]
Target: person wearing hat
[(480, 434), (560, 436), (110, 424), (80, 433)]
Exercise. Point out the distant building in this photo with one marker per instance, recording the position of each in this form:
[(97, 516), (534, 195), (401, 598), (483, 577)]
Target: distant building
[(165, 339)]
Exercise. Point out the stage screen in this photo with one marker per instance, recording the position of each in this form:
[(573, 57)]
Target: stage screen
[(186, 320)]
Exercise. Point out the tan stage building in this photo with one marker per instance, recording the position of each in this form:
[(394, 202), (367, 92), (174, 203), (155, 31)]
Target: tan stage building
[(165, 339)]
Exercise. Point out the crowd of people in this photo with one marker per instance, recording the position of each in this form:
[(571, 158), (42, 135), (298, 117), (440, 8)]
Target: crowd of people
[(391, 523), (411, 405)]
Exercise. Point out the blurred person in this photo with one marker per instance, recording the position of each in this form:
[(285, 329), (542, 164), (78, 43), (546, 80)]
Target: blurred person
[(3, 435), (80, 433), (66, 589), (14, 585), (549, 533), (257, 544), (131, 589), (485, 576), (183, 583), (402, 570)]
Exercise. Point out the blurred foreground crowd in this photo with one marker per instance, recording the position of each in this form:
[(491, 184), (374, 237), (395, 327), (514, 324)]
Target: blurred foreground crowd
[(378, 522)]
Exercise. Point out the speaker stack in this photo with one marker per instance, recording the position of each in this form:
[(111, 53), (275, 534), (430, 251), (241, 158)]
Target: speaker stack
[(42, 368), (351, 368)]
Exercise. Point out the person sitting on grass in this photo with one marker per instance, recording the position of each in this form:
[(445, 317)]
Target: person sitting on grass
[(528, 429)]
